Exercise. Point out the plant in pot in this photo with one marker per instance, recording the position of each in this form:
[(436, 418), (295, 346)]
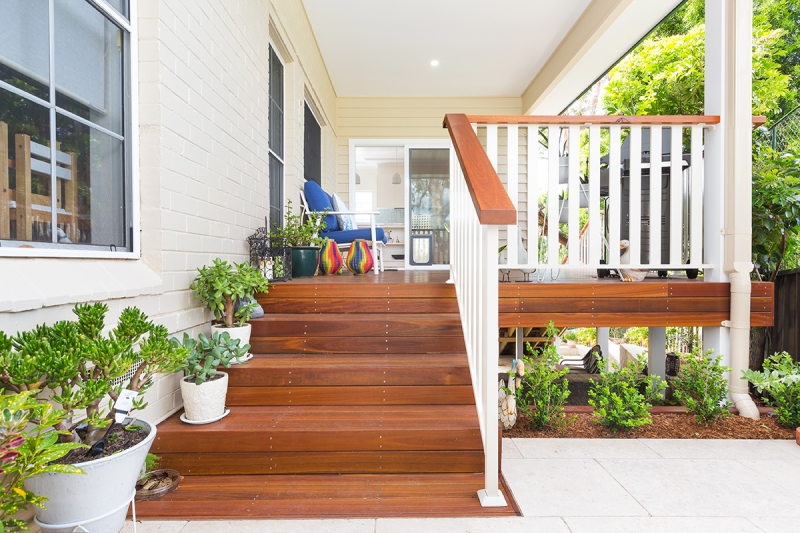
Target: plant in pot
[(221, 285), (203, 387), (91, 376), (304, 239), (27, 447)]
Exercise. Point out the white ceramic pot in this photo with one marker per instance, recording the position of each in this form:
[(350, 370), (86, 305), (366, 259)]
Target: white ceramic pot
[(206, 401), (241, 333), (97, 501)]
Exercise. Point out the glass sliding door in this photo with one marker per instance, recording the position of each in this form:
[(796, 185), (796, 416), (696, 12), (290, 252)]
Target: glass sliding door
[(429, 206)]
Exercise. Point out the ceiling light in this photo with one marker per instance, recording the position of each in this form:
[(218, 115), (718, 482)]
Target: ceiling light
[(358, 179), (396, 179), (434, 63)]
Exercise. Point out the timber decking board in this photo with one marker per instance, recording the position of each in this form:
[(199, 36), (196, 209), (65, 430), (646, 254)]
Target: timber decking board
[(513, 320), (358, 345), (356, 292), (350, 370), (388, 325), (276, 305), (216, 464), (305, 496), (343, 395), (327, 428)]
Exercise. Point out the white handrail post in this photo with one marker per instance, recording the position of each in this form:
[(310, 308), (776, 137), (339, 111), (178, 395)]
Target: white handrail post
[(490, 496)]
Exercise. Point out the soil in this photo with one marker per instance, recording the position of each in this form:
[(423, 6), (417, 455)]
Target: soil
[(124, 440), (664, 426)]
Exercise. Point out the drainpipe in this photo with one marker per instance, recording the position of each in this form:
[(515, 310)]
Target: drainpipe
[(738, 167), (739, 325)]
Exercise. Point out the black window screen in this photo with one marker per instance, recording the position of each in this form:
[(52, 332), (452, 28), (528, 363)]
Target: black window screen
[(312, 149)]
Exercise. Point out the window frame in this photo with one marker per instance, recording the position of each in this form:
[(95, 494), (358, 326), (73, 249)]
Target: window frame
[(270, 152), (130, 135)]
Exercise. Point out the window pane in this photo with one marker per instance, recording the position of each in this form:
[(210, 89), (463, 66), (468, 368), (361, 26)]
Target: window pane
[(275, 104), (429, 198), (25, 204), (24, 45), (275, 192), (92, 193), (312, 148), (89, 63), (121, 6)]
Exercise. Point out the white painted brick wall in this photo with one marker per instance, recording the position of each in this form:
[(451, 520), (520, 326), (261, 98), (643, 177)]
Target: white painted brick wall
[(203, 82)]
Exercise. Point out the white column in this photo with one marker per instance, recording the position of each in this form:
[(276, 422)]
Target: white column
[(729, 27), (657, 352), (602, 341)]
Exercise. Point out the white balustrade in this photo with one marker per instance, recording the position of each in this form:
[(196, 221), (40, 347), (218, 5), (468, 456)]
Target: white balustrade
[(602, 185)]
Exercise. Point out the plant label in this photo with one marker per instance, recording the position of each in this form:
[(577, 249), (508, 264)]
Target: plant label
[(123, 405)]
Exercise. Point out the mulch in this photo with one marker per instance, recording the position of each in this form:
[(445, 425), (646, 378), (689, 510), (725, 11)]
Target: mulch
[(664, 426)]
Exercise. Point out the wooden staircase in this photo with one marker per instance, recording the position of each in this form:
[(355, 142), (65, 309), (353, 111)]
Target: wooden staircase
[(357, 403)]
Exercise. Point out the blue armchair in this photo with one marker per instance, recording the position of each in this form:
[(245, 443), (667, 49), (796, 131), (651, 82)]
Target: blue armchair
[(314, 199)]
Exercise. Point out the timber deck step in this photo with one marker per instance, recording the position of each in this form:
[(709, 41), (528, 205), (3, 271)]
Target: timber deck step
[(342, 496), (303, 370), (327, 428)]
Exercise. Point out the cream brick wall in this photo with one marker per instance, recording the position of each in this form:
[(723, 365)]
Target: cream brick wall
[(203, 125), (403, 118)]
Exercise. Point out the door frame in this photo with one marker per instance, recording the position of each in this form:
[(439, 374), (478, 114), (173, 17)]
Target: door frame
[(407, 145)]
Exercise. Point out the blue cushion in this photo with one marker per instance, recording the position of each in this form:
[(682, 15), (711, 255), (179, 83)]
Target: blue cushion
[(319, 200), (346, 237)]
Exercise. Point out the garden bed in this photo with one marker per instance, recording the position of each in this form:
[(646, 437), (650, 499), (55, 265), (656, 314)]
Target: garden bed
[(664, 426)]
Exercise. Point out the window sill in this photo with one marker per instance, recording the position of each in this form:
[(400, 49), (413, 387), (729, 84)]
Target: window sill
[(27, 284)]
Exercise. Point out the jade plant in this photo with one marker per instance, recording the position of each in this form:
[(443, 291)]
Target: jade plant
[(27, 449), (221, 284), (205, 354), (84, 369)]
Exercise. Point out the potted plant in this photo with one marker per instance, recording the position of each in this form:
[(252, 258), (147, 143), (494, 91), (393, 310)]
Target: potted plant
[(155, 481), (87, 373), (27, 447), (303, 237), (572, 338), (203, 387), (221, 285)]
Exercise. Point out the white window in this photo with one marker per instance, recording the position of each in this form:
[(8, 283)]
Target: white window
[(65, 83), (276, 139)]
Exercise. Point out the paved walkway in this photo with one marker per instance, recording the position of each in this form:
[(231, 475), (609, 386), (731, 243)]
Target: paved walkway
[(604, 485)]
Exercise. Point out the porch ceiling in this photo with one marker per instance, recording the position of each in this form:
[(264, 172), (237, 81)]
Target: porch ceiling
[(498, 48)]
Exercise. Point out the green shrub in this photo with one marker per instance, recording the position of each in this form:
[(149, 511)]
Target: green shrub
[(781, 379), (637, 336), (220, 285), (701, 386), (543, 392), (586, 336), (622, 398)]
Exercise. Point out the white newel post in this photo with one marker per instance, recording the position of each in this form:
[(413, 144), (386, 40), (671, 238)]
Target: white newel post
[(728, 149)]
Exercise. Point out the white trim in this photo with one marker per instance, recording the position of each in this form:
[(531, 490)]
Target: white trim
[(111, 12), (133, 11), (61, 251)]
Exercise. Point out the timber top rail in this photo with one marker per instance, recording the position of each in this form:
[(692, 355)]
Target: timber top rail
[(758, 120), (489, 197)]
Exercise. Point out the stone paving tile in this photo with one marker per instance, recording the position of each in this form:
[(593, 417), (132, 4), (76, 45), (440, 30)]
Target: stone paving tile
[(785, 474), (773, 524), (510, 450), (504, 524), (567, 487), (660, 525), (694, 487), (583, 449), (166, 526), (722, 449)]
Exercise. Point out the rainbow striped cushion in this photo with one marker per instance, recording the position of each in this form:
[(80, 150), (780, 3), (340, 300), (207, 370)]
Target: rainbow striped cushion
[(330, 258), (359, 259)]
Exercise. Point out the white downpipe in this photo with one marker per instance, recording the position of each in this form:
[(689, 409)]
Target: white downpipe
[(738, 27)]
